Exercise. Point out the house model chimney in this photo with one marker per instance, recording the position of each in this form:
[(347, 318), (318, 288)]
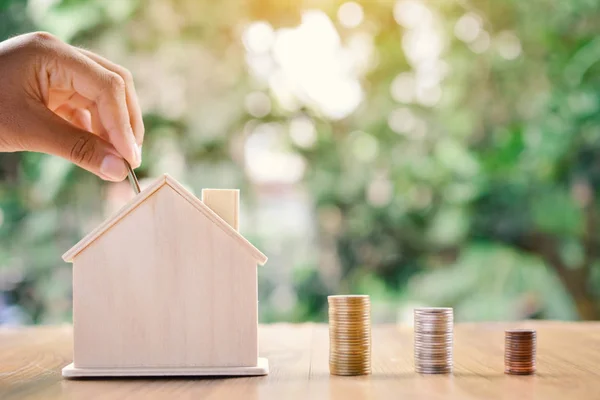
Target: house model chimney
[(225, 203)]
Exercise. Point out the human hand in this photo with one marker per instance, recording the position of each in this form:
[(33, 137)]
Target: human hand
[(69, 102)]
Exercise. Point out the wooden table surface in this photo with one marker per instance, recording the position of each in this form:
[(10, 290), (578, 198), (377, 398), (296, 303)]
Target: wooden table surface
[(568, 367)]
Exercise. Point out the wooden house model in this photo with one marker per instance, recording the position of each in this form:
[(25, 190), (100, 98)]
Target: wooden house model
[(167, 286)]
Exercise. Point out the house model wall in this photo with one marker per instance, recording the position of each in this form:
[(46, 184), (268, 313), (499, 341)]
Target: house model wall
[(167, 286)]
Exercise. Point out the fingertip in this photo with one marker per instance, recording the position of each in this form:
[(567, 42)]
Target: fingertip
[(124, 142)]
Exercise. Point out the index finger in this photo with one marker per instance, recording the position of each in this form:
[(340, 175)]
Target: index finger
[(69, 69), (133, 106)]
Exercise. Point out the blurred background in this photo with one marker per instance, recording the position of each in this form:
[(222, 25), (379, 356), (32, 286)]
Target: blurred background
[(427, 153)]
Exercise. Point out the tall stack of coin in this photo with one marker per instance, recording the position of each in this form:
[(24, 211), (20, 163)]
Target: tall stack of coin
[(433, 340), (349, 335), (519, 351)]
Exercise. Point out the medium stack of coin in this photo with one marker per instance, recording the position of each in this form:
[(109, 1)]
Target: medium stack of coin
[(433, 340), (349, 335), (519, 351)]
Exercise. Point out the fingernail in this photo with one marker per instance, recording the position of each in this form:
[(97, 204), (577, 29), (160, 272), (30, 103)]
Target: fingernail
[(113, 168), (138, 148), (137, 154)]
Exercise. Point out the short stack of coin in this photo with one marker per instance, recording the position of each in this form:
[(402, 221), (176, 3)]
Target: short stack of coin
[(519, 351), (433, 329), (349, 335)]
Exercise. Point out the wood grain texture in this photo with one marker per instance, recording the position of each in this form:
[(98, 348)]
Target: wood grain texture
[(568, 358), (225, 203), (166, 287)]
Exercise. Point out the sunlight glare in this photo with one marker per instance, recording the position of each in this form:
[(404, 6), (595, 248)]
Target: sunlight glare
[(314, 63)]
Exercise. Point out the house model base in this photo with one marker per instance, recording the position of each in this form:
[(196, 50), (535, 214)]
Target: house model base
[(70, 371)]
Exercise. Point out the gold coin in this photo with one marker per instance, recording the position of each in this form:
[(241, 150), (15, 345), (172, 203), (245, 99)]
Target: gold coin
[(349, 334)]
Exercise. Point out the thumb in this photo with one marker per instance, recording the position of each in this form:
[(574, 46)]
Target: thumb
[(51, 134)]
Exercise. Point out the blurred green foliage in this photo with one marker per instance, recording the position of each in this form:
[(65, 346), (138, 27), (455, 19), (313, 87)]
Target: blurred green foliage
[(484, 199)]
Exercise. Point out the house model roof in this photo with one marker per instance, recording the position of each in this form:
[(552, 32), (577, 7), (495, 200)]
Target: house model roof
[(146, 193)]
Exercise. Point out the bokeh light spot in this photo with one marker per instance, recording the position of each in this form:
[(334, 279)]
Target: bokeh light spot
[(258, 37), (402, 120), (468, 27), (258, 104), (411, 13), (364, 146), (508, 45), (403, 87), (481, 44), (316, 68), (422, 45), (350, 14), (429, 95), (303, 132), (267, 160), (379, 192)]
